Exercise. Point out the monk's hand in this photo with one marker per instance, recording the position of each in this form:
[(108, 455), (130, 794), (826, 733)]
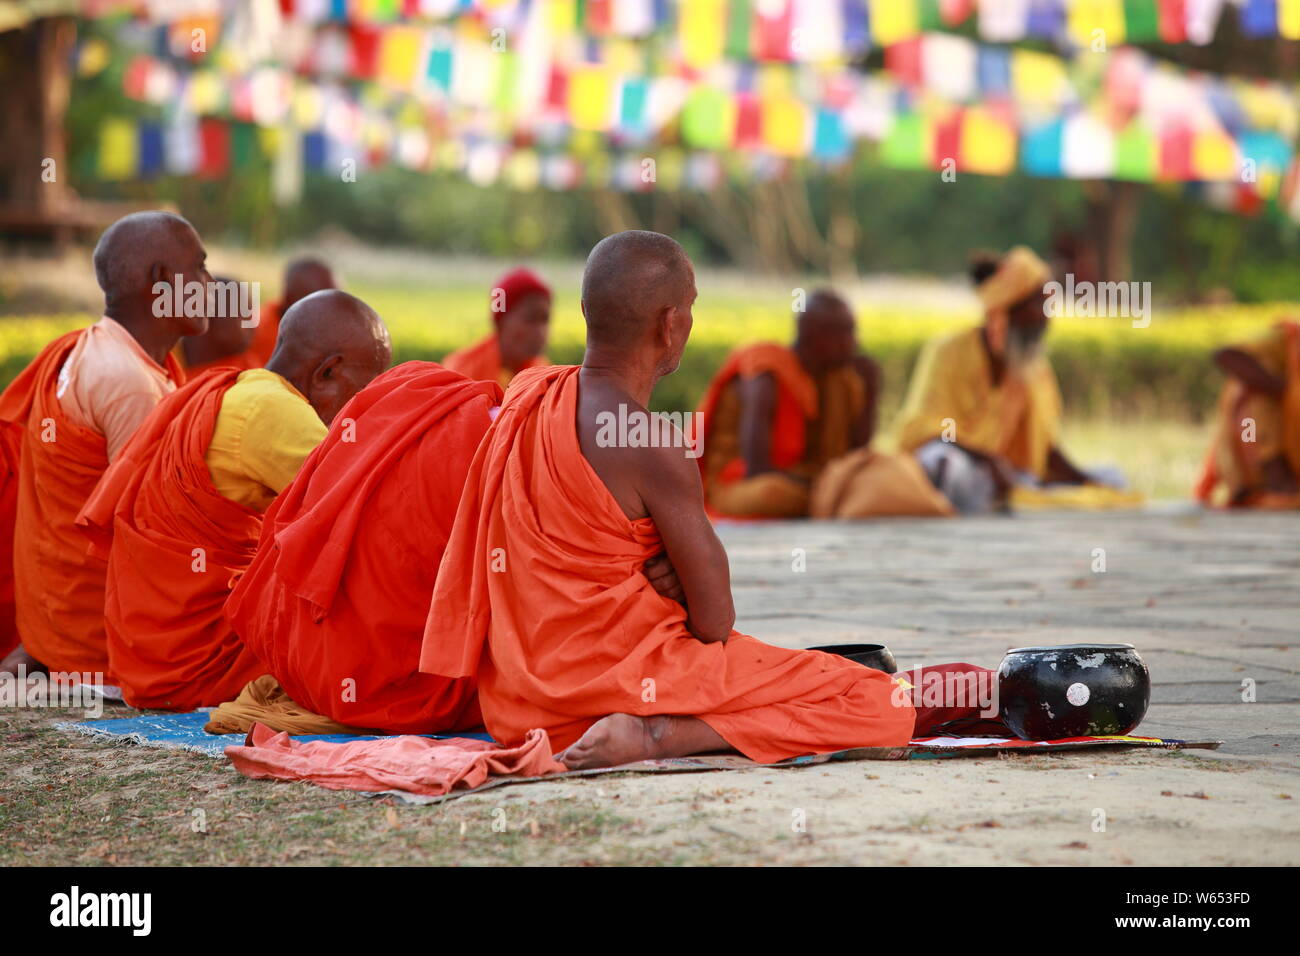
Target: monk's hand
[(663, 578)]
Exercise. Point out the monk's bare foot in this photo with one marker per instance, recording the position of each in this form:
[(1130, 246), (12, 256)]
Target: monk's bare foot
[(622, 738), (17, 657)]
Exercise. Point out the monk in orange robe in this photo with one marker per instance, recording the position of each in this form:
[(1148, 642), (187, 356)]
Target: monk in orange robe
[(178, 515), (73, 410), (226, 342), (1254, 460), (544, 594), (521, 315), (336, 598)]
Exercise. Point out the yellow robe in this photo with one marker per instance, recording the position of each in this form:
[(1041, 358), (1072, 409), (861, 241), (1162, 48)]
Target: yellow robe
[(952, 393)]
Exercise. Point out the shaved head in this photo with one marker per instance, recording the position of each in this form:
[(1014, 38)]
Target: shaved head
[(330, 346), (131, 252), (304, 276), (631, 279), (825, 331)]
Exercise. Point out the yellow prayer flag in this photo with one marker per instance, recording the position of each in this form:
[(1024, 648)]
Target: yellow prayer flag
[(785, 126), (1038, 79), (1214, 156), (895, 20), (702, 32), (561, 16), (119, 149), (1097, 25), (205, 92), (988, 144), (591, 91), (1288, 19), (399, 57)]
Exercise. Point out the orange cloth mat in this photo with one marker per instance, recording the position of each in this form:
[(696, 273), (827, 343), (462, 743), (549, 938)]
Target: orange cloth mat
[(416, 765)]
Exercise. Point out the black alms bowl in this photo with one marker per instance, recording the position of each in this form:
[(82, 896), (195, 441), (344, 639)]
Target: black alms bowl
[(1073, 690), (872, 655)]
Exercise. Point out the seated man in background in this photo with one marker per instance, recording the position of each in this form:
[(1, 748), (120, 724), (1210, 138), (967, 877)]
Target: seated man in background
[(521, 316), (543, 591), (302, 277), (1255, 455), (226, 341), (69, 414), (337, 595), (983, 406), (786, 429), (179, 513)]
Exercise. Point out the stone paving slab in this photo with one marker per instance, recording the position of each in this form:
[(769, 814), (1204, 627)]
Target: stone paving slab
[(1210, 600)]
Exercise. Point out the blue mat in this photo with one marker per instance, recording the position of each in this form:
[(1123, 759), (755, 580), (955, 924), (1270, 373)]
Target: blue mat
[(185, 732)]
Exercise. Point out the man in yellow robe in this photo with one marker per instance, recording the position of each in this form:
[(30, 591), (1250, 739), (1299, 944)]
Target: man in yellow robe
[(1255, 456), (983, 410)]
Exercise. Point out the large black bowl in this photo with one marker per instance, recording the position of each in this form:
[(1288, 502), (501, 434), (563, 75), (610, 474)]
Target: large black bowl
[(1073, 690), (871, 655)]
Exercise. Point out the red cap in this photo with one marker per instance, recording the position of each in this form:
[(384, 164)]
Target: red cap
[(513, 286)]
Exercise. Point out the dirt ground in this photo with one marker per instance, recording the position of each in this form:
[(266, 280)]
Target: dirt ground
[(1211, 601)]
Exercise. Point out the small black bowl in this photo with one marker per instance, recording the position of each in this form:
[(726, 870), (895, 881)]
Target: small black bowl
[(1073, 690), (870, 655)]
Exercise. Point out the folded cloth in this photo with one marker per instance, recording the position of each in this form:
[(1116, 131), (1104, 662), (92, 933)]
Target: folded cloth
[(418, 765), (263, 701)]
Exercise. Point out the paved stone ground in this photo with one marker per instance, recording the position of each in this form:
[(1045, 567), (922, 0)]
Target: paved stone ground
[(1209, 599)]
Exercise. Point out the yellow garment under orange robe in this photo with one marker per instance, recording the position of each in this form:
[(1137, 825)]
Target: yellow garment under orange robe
[(178, 517), (812, 425), (1234, 463), (952, 393), (482, 362), (541, 594), (69, 418)]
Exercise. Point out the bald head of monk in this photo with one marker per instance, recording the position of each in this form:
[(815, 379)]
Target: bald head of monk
[(304, 276), (138, 261), (826, 334), (331, 345), (229, 333), (638, 289)]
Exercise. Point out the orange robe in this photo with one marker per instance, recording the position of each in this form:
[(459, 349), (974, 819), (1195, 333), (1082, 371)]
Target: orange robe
[(541, 594), (11, 443), (811, 425), (1234, 463), (172, 543), (482, 362), (59, 586), (259, 350), (340, 587)]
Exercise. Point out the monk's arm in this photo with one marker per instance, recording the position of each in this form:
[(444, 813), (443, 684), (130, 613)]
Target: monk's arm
[(1246, 368), (757, 412), (864, 429), (671, 490)]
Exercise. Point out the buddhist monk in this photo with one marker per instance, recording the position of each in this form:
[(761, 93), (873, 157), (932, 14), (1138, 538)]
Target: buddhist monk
[(1255, 456), (180, 512), (72, 411), (521, 316), (983, 408), (786, 430), (337, 596), (227, 340), (543, 591), (302, 277)]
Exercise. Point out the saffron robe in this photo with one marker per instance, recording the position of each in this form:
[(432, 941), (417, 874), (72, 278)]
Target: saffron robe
[(173, 543), (952, 392), (541, 594), (336, 599), (811, 425), (1233, 462), (58, 584), (482, 362)]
